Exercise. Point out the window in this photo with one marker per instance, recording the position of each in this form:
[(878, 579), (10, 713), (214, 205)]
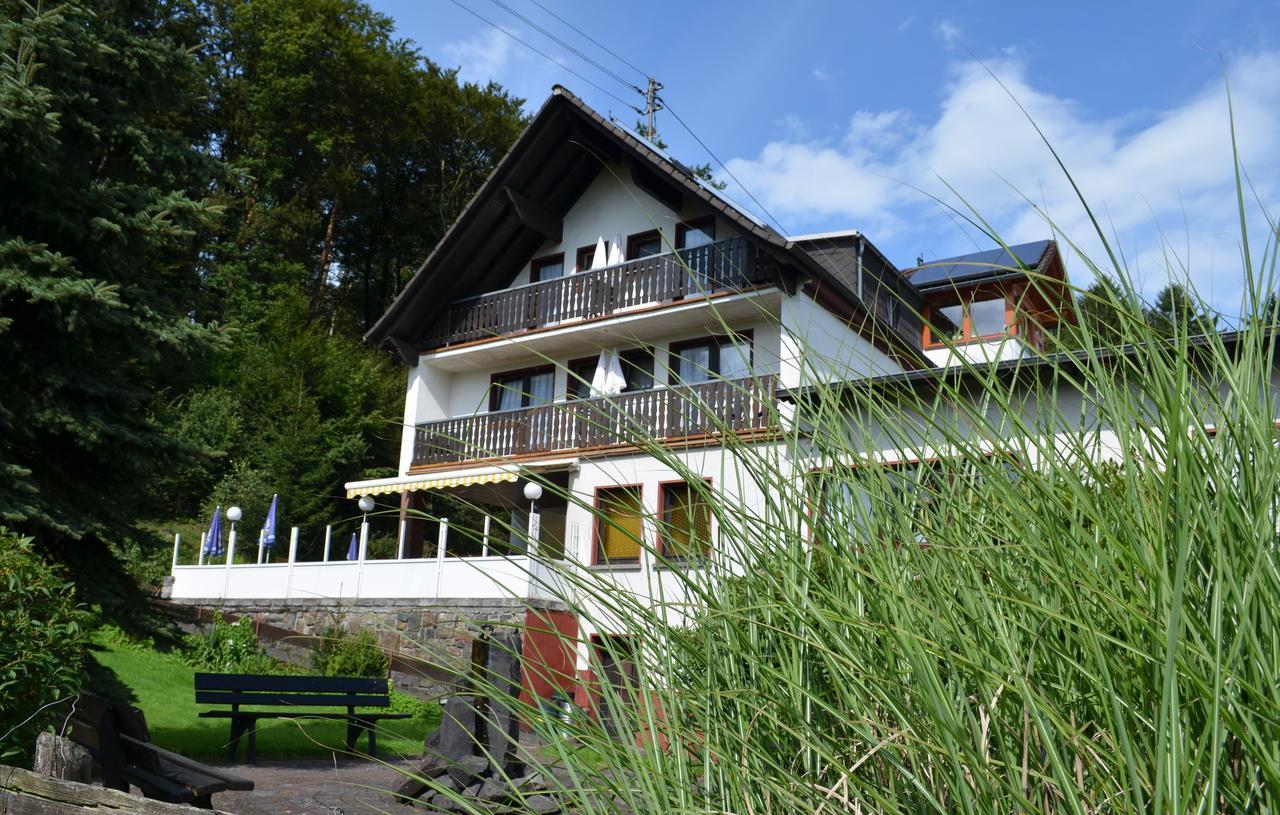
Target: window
[(692, 234), (977, 316), (547, 268), (702, 264), (986, 317), (585, 257), (644, 244), (520, 389), (710, 358), (581, 372), (637, 369), (618, 525), (685, 533)]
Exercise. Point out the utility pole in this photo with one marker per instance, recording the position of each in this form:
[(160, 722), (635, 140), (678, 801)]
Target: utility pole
[(652, 104)]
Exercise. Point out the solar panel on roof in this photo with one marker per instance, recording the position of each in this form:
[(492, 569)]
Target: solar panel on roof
[(978, 264)]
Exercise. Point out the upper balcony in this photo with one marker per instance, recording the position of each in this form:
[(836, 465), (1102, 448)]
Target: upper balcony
[(726, 266)]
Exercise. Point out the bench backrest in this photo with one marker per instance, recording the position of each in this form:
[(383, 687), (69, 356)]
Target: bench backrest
[(291, 691), (96, 725)]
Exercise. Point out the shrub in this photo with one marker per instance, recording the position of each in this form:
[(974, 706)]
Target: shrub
[(42, 640), (344, 654), (230, 648)]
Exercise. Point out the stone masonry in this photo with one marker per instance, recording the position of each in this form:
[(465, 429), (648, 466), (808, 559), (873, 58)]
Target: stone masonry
[(428, 640)]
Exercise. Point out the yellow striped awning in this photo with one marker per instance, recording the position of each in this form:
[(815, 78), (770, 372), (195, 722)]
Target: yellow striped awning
[(396, 485)]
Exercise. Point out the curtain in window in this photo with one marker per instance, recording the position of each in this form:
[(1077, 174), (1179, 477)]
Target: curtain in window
[(686, 519), (620, 524), (541, 387), (693, 364), (735, 359)]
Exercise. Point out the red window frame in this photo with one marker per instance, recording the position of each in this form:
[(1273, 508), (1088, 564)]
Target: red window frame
[(662, 511), (597, 519)]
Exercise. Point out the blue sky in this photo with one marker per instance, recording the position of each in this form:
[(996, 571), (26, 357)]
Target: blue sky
[(844, 115)]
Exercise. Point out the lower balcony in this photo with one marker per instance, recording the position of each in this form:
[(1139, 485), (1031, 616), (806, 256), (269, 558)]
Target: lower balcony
[(672, 414)]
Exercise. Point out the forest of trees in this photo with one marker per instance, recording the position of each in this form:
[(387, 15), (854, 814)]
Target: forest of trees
[(203, 206)]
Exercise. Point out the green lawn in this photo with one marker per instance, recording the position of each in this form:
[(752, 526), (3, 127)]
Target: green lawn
[(162, 685)]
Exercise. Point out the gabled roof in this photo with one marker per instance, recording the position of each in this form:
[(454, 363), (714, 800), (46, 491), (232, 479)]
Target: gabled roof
[(523, 203), (524, 200), (978, 267)]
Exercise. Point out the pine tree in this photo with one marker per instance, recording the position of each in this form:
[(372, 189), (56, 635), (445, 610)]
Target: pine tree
[(102, 205)]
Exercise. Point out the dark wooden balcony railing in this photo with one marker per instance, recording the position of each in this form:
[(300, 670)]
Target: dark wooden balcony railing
[(734, 406), (727, 265)]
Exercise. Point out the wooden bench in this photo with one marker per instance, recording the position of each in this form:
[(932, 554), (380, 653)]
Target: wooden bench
[(117, 737), (296, 693)]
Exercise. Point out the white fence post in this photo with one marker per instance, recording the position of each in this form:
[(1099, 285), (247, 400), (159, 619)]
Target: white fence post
[(484, 545), (363, 553), (200, 558), (441, 541), (328, 536), (293, 557), (177, 542), (400, 548), (231, 556), (262, 539)]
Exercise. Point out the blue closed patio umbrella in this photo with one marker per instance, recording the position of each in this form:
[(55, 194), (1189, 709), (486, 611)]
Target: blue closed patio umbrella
[(213, 540), (353, 551), (269, 525)]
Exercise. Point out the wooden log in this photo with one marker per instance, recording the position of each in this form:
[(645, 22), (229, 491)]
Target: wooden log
[(23, 792)]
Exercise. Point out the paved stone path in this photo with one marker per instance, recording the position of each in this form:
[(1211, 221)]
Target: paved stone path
[(347, 787)]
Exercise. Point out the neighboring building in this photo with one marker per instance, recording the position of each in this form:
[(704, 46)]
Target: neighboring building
[(696, 317)]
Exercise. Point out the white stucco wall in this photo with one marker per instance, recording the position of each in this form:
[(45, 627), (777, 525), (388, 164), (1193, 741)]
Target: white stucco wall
[(975, 352), (816, 346), (613, 206)]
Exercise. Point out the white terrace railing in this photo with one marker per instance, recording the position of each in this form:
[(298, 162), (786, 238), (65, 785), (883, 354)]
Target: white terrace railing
[(439, 577)]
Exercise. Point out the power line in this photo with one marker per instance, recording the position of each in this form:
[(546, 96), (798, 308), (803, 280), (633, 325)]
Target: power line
[(568, 46), (729, 172), (546, 56), (592, 39)]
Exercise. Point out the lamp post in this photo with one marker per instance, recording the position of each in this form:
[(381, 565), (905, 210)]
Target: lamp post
[(366, 505), (233, 515), (532, 492)]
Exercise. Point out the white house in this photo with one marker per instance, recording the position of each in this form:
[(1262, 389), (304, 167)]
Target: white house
[(595, 292)]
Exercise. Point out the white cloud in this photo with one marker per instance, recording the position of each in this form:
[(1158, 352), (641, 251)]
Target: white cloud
[(494, 55), (905, 24), (1138, 177), (482, 57), (821, 75), (948, 32)]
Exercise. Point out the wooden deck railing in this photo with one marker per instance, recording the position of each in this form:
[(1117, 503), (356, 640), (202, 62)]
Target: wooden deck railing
[(727, 265), (681, 412)]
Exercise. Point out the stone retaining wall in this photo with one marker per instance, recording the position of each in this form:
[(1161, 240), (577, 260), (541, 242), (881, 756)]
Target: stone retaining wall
[(435, 634)]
